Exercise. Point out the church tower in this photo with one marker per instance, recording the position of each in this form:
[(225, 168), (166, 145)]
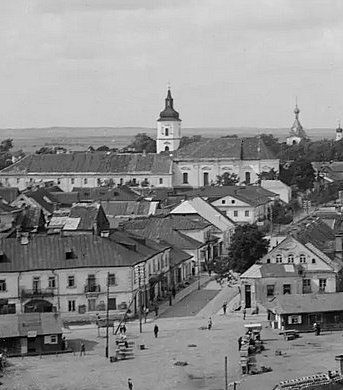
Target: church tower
[(339, 132), (168, 127)]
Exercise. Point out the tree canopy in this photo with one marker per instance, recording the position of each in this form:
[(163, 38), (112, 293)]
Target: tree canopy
[(300, 173), (189, 140), (142, 142), (227, 179), (247, 246)]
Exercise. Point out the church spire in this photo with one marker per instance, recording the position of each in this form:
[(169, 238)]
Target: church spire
[(169, 113)]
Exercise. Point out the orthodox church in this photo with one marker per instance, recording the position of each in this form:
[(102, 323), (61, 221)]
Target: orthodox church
[(297, 133)]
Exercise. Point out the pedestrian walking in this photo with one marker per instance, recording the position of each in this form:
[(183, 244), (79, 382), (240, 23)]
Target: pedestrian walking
[(156, 330), (224, 308), (129, 384), (209, 325), (239, 343), (156, 310), (82, 349), (244, 313), (124, 328)]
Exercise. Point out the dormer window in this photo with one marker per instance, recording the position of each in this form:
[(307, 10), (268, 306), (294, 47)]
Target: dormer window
[(290, 258), (302, 258), (69, 253)]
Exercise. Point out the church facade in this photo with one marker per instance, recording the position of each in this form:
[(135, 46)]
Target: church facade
[(194, 165)]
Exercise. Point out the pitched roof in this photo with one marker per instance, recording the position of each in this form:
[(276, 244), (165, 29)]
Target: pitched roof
[(43, 197), (253, 195), (307, 303), (162, 228), (122, 193), (257, 271), (18, 325), (252, 148), (178, 256), (208, 212), (142, 207), (66, 198), (49, 252), (97, 162), (83, 216), (9, 194)]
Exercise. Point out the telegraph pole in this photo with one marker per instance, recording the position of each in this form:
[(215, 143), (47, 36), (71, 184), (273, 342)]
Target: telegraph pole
[(107, 312), (140, 300), (226, 382)]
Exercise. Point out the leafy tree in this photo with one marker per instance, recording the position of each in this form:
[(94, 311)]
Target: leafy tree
[(142, 142), (6, 145), (227, 179), (103, 148), (222, 269), (270, 175), (281, 214), (189, 140), (272, 143), (300, 173), (247, 246), (46, 150)]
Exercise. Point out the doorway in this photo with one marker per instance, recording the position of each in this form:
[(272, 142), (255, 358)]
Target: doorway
[(248, 296)]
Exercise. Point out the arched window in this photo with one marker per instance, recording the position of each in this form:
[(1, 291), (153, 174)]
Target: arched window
[(185, 178), (291, 258), (166, 149), (279, 258), (302, 258)]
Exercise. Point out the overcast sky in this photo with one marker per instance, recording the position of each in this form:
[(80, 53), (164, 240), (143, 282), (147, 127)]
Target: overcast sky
[(229, 62)]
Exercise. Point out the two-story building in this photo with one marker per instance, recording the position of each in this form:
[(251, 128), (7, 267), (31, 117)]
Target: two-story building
[(308, 261), (70, 274), (241, 204)]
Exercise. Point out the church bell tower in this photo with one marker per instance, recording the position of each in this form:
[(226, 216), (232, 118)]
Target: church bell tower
[(168, 127)]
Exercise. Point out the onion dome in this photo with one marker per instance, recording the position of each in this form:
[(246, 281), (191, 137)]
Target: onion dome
[(339, 129)]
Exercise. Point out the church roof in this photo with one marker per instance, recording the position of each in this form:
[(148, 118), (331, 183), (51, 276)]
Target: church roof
[(97, 162), (169, 113), (252, 148)]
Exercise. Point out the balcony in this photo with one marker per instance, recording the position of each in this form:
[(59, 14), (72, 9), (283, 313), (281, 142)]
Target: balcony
[(92, 289), (37, 293)]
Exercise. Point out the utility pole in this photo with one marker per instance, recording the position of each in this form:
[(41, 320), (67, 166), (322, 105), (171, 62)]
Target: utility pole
[(199, 271), (140, 300), (107, 312), (226, 382)]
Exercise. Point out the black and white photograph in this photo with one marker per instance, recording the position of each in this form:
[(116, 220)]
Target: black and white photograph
[(171, 194)]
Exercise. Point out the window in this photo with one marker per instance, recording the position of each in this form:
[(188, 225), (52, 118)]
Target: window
[(322, 285), (294, 319), (71, 281), (51, 339), (85, 181), (307, 286), (71, 305), (246, 213), (247, 178), (18, 180), (52, 282), (72, 181), (223, 201), (112, 304), (134, 181), (313, 261), (185, 178), (166, 149), (302, 258), (161, 180), (121, 181), (291, 258), (278, 258), (3, 285), (166, 131), (235, 213), (58, 181), (268, 261), (233, 201), (205, 178), (270, 290), (286, 289), (91, 304), (112, 280), (36, 283)]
